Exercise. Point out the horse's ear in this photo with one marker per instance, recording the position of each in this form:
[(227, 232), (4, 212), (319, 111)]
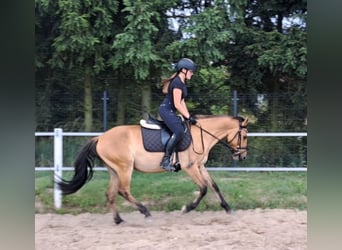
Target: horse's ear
[(245, 122)]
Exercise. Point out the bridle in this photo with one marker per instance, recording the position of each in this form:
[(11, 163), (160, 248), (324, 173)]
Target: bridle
[(239, 150), (235, 151)]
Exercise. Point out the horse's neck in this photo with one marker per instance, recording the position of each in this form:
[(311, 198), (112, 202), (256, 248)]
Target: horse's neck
[(219, 127)]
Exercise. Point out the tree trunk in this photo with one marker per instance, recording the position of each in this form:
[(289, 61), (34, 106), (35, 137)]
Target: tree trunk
[(275, 105), (88, 103), (145, 100), (280, 22)]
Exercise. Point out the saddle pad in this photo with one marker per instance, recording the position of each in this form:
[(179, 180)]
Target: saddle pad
[(153, 143)]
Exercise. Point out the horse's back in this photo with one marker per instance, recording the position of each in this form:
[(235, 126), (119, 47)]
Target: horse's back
[(117, 142), (122, 147), (122, 132)]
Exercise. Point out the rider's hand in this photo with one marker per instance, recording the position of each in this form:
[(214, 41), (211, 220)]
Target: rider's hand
[(192, 120)]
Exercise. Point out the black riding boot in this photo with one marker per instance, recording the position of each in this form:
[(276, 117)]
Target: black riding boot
[(170, 147)]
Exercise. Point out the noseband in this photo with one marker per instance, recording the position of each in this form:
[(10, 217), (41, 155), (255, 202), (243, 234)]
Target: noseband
[(237, 151)]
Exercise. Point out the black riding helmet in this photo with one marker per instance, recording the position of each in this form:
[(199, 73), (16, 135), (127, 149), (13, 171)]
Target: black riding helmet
[(187, 64)]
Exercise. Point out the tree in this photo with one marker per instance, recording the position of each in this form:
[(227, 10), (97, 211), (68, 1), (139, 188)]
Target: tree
[(248, 46), (269, 53), (257, 47), (133, 48), (83, 41)]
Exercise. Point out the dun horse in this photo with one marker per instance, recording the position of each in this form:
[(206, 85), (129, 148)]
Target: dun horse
[(122, 151)]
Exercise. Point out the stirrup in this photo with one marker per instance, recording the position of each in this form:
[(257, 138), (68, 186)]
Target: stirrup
[(177, 167), (169, 168)]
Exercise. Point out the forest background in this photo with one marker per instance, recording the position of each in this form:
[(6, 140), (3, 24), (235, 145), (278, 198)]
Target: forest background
[(255, 47)]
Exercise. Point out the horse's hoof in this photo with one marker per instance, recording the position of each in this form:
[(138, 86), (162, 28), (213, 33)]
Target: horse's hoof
[(230, 212), (149, 219), (118, 220), (169, 168), (147, 214), (184, 210)]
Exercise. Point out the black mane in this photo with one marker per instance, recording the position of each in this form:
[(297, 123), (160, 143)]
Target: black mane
[(239, 118)]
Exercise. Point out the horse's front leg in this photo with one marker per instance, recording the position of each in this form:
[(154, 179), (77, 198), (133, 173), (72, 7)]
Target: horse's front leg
[(194, 204), (213, 186), (223, 202), (196, 176)]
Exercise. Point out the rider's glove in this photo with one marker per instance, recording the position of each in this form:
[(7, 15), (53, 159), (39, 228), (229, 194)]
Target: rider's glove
[(192, 120)]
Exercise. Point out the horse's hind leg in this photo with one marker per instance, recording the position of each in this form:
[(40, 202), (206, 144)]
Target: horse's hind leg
[(111, 194), (124, 191), (128, 196)]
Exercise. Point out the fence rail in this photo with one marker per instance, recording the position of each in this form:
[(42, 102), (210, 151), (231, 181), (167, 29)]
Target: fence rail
[(58, 167), (59, 132)]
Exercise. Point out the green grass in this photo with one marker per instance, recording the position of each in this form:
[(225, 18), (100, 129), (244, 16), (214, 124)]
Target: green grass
[(170, 191)]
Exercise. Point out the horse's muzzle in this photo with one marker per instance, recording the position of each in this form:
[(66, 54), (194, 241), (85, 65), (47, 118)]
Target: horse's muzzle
[(239, 158), (239, 155)]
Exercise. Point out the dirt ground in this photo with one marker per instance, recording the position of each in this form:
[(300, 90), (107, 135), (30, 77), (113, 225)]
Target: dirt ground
[(277, 229)]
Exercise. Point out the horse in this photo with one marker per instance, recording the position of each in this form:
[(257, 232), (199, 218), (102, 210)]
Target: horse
[(121, 150)]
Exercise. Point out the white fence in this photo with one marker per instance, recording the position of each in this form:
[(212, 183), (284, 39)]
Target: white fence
[(58, 167)]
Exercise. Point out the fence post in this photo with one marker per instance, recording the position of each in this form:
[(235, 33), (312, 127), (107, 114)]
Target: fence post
[(105, 99), (235, 103), (58, 165), (235, 113)]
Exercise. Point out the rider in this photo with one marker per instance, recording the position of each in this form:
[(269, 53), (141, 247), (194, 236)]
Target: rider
[(176, 91)]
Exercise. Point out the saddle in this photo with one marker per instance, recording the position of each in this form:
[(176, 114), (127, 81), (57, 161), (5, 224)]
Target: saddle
[(155, 135)]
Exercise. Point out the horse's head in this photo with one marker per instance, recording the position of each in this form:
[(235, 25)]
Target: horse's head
[(238, 140)]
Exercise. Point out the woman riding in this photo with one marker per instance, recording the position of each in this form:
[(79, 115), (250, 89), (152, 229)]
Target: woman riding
[(174, 102)]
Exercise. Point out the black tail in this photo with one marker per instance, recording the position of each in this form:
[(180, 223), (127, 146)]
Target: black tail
[(83, 169)]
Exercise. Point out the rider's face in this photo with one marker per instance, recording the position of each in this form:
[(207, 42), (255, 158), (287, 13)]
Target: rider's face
[(189, 74)]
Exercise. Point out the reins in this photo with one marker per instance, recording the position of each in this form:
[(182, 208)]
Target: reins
[(220, 140)]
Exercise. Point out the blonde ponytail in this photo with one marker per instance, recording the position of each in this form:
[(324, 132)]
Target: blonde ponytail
[(166, 82)]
